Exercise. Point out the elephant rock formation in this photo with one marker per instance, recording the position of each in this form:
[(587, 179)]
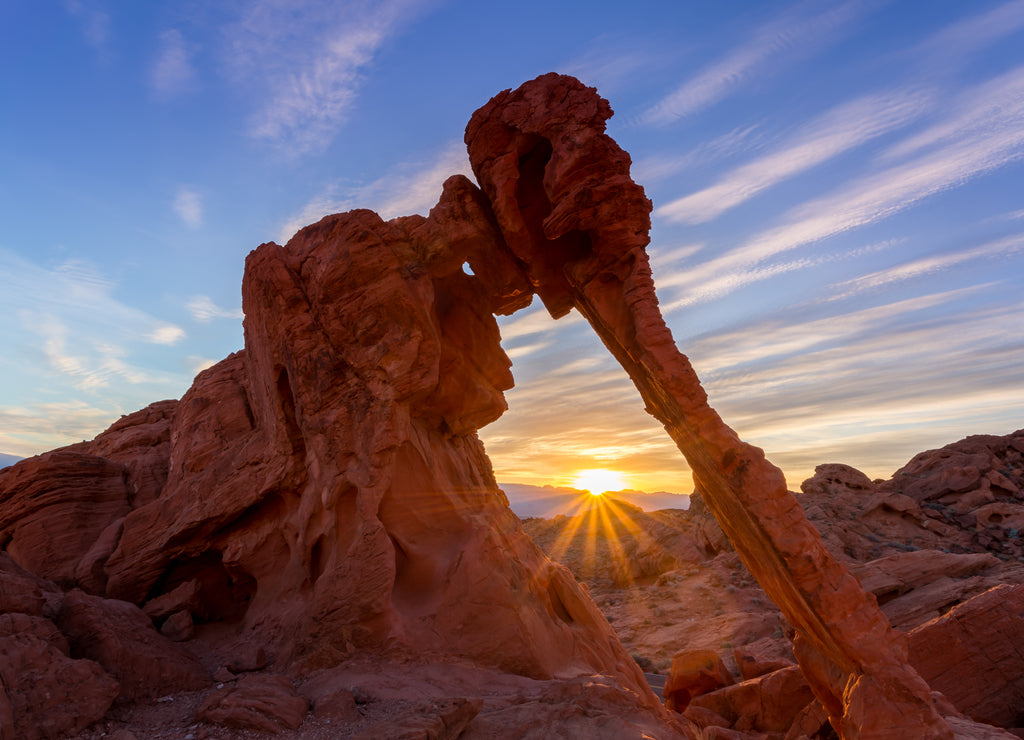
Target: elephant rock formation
[(322, 493)]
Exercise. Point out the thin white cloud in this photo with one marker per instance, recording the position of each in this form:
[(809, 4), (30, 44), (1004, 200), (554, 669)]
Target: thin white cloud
[(764, 339), (203, 309), (740, 139), (73, 291), (709, 281), (534, 321), (28, 429), (172, 73), (958, 149), (188, 204), (903, 370), (197, 364), (839, 130), (306, 62), (779, 41), (974, 33), (609, 64), (166, 334), (416, 189), (70, 319), (412, 187), (94, 25), (926, 266), (525, 350), (88, 366)]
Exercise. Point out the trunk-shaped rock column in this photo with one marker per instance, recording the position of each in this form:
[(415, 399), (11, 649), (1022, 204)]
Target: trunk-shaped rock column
[(570, 213)]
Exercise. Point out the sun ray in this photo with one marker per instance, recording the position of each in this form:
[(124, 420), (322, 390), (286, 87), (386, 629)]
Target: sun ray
[(574, 521)]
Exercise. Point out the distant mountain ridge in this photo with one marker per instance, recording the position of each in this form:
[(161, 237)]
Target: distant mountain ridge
[(7, 460), (551, 501)]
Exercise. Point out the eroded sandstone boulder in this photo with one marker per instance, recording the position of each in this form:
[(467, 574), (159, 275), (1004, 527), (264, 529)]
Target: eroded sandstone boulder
[(44, 694), (974, 655), (268, 703), (693, 673), (119, 636)]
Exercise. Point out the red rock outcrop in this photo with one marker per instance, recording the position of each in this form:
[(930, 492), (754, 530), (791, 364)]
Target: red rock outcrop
[(920, 562), (44, 691), (580, 229), (322, 493), (693, 673), (974, 655), (121, 638)]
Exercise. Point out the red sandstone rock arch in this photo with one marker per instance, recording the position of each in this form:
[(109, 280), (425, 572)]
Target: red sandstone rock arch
[(569, 212)]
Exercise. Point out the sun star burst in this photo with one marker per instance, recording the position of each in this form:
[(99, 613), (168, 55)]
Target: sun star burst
[(599, 481)]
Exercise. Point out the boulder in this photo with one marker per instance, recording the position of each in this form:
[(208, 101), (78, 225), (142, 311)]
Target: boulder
[(895, 575), (694, 672), (768, 703), (973, 655), (21, 591), (122, 639), (45, 695), (266, 703), (763, 656), (835, 478)]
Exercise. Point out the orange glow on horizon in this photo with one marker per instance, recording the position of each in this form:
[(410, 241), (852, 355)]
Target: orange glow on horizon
[(599, 481)]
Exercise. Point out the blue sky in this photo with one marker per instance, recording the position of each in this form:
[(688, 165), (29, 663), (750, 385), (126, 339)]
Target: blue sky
[(838, 236)]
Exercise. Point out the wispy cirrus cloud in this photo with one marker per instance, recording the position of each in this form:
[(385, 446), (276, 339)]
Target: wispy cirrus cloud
[(203, 309), (740, 139), (896, 374), (710, 280), (306, 61), (965, 147), (410, 187), (94, 25), (971, 34), (793, 35), (27, 429), (188, 204), (983, 131), (839, 130), (166, 334), (173, 73), (89, 365), (927, 265), (609, 64), (761, 341), (70, 317)]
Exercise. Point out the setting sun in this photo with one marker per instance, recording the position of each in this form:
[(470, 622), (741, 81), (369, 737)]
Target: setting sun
[(599, 481)]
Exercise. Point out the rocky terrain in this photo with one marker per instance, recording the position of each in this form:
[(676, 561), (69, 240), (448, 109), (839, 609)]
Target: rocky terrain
[(311, 542), (940, 545)]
